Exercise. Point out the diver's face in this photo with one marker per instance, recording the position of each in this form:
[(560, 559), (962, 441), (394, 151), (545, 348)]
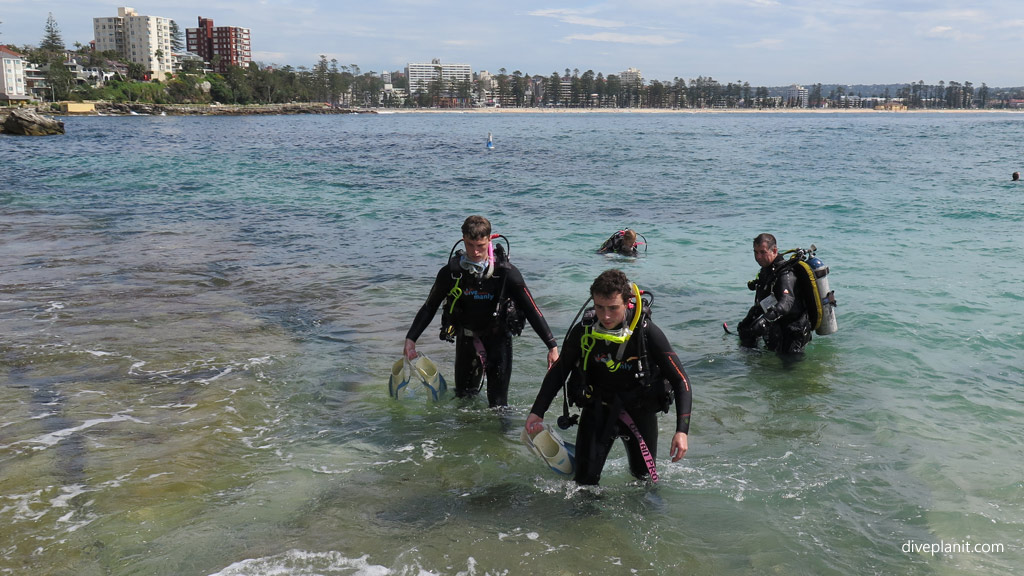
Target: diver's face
[(765, 255), (476, 249), (611, 310)]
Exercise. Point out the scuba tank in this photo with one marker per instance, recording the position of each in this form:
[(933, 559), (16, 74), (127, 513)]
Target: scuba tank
[(828, 323)]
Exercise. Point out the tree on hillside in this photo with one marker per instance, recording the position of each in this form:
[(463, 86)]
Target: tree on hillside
[(52, 41)]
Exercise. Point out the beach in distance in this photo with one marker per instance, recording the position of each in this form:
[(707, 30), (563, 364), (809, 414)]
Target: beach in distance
[(114, 109)]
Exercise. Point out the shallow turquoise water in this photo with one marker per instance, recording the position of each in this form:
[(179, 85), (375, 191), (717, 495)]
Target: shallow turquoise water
[(199, 315)]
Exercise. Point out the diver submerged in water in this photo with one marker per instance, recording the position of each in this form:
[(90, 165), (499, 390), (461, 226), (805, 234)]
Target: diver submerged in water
[(622, 372), (486, 302), (622, 242)]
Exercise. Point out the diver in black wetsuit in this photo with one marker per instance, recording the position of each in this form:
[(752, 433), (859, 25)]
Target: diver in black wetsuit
[(622, 242), (778, 315), (485, 302), (628, 373)]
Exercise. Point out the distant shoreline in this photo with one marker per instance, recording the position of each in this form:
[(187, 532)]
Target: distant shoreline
[(131, 109), (678, 111)]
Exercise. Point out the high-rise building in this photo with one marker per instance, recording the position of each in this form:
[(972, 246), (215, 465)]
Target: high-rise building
[(221, 46), (12, 76), (142, 40), (421, 75), (796, 96), (632, 77)]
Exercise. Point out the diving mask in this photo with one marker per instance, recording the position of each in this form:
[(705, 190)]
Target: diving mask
[(621, 334), (477, 269), (617, 335)]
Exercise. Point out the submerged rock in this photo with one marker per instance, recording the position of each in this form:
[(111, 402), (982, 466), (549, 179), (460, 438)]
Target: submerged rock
[(27, 122)]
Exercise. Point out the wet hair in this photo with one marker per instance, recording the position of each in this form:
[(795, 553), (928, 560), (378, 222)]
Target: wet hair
[(629, 238), (767, 239), (1016, 175), (476, 228), (610, 283)]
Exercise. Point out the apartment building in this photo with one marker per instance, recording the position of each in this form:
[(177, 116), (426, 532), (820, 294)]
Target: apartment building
[(221, 46), (797, 96), (631, 77), (143, 40), (421, 75), (12, 76)]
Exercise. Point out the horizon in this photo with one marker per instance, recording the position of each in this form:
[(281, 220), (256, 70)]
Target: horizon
[(770, 43)]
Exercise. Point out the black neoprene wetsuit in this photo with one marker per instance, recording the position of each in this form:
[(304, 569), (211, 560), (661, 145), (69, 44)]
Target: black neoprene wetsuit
[(479, 329), (614, 244), (787, 328), (614, 389)]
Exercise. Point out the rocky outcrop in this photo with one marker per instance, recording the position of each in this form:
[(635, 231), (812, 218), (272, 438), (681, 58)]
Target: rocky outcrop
[(26, 122), (118, 109)]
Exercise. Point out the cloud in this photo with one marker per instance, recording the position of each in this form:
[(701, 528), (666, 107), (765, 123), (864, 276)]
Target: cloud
[(617, 38), (576, 17), (764, 44), (951, 33)]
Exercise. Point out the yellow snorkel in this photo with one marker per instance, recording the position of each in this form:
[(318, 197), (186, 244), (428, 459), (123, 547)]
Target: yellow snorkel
[(591, 335)]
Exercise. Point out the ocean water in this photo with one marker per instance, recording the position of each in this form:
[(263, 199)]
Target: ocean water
[(198, 318)]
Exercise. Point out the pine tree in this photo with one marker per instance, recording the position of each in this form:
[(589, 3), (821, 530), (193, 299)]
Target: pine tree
[(52, 41), (177, 38)]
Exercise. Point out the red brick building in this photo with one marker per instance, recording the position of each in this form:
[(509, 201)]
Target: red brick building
[(221, 46)]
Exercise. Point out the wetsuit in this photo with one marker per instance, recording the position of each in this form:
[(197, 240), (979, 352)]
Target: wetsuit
[(785, 326), (622, 389), (614, 244), (483, 342)]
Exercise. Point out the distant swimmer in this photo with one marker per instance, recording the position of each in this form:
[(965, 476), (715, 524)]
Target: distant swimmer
[(622, 242), (1016, 176)]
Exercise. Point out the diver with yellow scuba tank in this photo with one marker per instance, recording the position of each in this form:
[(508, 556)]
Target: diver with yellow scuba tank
[(791, 299), (622, 372), (486, 303)]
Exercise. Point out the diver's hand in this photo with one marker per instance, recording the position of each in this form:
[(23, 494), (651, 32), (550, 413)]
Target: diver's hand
[(679, 446), (552, 356), (759, 327), (534, 424), (410, 349)]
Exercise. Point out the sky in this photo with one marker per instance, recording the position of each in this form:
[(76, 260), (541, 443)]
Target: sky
[(763, 42)]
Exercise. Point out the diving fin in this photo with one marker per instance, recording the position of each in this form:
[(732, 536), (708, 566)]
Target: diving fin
[(430, 376), (558, 454), (400, 372)]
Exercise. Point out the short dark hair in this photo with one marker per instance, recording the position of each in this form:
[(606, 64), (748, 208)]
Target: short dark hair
[(610, 283), (764, 239), (476, 228)]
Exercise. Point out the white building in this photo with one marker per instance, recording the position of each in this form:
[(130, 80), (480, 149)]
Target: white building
[(421, 75), (796, 96), (631, 77), (12, 76), (143, 40)]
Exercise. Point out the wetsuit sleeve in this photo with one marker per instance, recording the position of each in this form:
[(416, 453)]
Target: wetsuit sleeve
[(442, 285), (559, 371), (524, 299), (672, 369), (785, 293)]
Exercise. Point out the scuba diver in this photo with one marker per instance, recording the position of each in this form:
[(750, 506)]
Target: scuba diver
[(779, 314), (486, 302), (622, 242), (621, 371)]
